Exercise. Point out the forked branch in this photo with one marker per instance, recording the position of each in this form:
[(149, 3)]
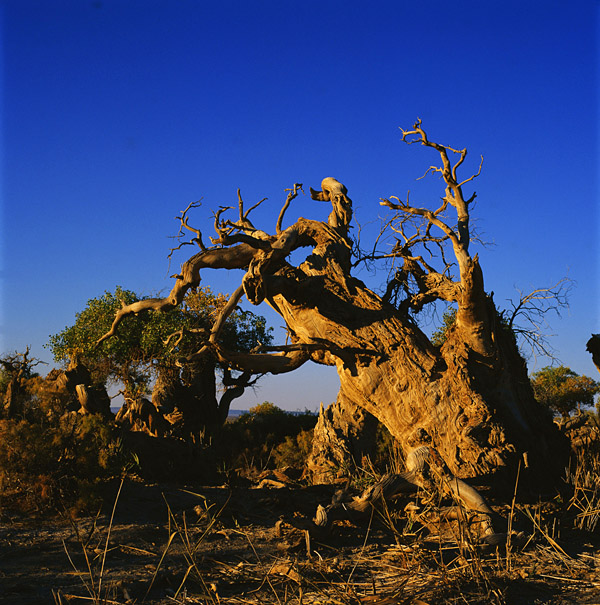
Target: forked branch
[(454, 194), (430, 216), (293, 193), (528, 317), (236, 257)]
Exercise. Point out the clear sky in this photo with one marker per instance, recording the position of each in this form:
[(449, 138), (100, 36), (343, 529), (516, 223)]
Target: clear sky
[(117, 113)]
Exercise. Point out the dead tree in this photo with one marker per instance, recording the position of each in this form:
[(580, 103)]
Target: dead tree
[(77, 380), (471, 396), (18, 368)]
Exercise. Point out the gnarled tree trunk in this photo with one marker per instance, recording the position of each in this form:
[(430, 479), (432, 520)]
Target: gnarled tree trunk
[(476, 405), (189, 400), (470, 398)]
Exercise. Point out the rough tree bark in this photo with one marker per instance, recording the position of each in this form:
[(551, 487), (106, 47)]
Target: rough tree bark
[(343, 436), (470, 398)]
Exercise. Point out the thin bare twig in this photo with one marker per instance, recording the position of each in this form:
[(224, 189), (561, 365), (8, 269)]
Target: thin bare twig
[(293, 193)]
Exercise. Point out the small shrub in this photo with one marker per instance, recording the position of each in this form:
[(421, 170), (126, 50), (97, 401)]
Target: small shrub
[(64, 460), (582, 475), (266, 437), (294, 451)]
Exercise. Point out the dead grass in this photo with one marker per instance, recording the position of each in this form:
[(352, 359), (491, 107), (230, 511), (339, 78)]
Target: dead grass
[(245, 545)]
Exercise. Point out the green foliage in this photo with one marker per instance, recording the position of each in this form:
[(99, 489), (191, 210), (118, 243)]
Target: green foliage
[(562, 390), (268, 436), (114, 356), (438, 338), (142, 340)]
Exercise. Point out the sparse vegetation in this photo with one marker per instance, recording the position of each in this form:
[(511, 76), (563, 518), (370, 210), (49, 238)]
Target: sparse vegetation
[(250, 538), (243, 517), (249, 545)]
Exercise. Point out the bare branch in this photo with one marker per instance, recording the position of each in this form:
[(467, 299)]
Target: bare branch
[(471, 178), (244, 221), (156, 304), (184, 224), (463, 155), (244, 215), (225, 228), (542, 300), (234, 388), (293, 193), (180, 334), (181, 245), (528, 318), (454, 195), (20, 362), (261, 363), (424, 212), (219, 228), (226, 311)]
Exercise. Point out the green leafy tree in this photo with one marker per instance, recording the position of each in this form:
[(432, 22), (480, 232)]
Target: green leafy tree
[(562, 390), (159, 348)]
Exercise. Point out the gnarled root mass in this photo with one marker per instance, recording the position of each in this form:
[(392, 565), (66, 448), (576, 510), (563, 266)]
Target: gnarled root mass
[(429, 479)]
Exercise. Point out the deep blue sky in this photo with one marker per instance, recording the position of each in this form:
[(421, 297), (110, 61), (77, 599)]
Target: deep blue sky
[(117, 113)]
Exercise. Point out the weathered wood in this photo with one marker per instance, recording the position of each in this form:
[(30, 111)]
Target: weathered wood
[(429, 477), (471, 395), (343, 436)]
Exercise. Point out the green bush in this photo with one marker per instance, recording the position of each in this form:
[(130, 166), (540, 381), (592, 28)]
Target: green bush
[(294, 450), (266, 437)]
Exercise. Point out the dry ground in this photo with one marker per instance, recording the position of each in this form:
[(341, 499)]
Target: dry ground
[(222, 545)]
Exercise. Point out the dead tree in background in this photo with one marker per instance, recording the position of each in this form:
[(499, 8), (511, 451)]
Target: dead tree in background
[(17, 367), (470, 397)]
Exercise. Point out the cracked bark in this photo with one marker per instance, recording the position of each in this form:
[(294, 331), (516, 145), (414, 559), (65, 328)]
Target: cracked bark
[(471, 396)]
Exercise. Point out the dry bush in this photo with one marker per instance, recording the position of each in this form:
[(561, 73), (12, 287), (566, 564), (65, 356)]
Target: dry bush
[(61, 461), (583, 475)]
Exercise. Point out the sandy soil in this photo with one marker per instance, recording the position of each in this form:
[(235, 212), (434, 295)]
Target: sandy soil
[(246, 544)]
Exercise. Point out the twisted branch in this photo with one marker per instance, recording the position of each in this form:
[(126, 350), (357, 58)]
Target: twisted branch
[(293, 193)]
